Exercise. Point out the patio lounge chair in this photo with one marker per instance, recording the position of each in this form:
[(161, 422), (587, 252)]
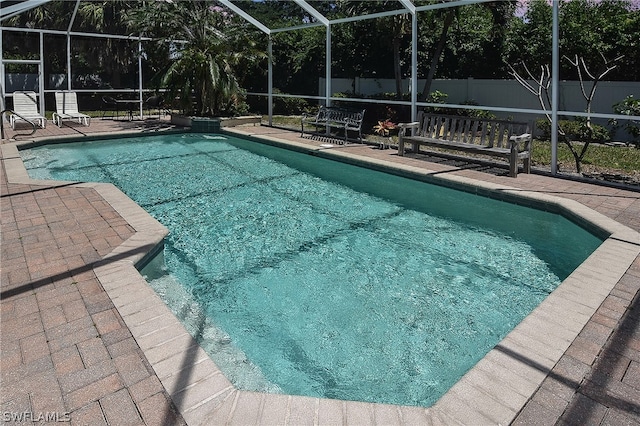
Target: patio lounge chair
[(67, 109), (25, 106)]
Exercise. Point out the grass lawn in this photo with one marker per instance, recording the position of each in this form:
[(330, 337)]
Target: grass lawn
[(599, 158)]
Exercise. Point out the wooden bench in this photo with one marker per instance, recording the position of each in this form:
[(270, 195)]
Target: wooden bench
[(498, 138), (338, 118)]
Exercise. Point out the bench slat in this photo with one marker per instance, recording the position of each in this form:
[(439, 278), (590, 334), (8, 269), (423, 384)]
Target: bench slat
[(455, 130), (433, 129), (465, 130), (492, 137), (483, 133)]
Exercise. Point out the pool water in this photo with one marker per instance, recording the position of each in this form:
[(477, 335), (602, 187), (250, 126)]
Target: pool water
[(307, 276)]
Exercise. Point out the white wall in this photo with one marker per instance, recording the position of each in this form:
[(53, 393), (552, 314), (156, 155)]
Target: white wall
[(21, 82), (496, 93), (29, 82)]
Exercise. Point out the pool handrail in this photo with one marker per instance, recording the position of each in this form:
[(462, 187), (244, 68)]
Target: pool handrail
[(2, 113)]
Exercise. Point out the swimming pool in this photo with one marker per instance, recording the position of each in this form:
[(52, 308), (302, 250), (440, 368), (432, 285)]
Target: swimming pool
[(292, 232)]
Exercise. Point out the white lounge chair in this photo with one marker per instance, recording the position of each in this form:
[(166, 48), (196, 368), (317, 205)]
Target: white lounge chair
[(67, 109), (25, 106)]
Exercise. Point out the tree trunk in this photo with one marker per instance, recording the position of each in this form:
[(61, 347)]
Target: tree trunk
[(397, 71), (448, 20), (576, 157)]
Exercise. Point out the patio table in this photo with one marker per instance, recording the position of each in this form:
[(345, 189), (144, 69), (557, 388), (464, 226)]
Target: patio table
[(130, 104)]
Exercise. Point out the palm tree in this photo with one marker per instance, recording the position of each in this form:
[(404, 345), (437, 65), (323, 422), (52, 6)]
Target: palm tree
[(206, 44)]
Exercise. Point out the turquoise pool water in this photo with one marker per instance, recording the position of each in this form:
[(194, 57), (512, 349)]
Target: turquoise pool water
[(307, 276)]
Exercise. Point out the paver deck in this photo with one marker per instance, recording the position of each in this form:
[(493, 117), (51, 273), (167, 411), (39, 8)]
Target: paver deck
[(66, 353), (85, 339)]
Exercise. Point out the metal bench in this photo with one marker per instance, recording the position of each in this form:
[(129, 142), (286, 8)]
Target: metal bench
[(338, 118), (498, 138)]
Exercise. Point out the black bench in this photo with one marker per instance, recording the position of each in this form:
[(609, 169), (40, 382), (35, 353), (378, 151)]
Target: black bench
[(338, 118), (498, 138)]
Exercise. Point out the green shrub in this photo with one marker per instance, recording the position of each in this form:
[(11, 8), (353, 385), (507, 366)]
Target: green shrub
[(438, 97), (343, 95), (629, 106), (575, 129), (289, 106), (478, 113), (392, 96), (241, 108), (238, 105)]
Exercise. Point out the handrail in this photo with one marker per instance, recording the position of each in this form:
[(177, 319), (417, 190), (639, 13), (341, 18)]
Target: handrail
[(18, 134)]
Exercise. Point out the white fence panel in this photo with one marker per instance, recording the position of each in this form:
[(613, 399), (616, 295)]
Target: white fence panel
[(496, 93)]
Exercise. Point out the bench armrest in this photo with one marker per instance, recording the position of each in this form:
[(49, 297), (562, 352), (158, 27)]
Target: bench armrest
[(523, 138), (404, 126)]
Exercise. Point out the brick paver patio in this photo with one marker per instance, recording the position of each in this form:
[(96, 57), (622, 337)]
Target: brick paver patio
[(66, 352), (66, 348)]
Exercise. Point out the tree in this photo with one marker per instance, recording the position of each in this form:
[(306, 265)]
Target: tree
[(296, 56), (588, 28), (449, 16), (500, 11), (591, 33), (394, 29), (400, 27), (208, 42), (113, 57), (530, 36), (540, 89), (90, 56)]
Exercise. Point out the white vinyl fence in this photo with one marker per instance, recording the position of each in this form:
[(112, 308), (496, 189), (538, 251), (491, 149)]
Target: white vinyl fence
[(497, 93)]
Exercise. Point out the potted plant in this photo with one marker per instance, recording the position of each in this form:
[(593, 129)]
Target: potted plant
[(384, 128)]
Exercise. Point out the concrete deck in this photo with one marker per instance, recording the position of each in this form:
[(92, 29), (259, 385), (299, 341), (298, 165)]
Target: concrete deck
[(85, 339)]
